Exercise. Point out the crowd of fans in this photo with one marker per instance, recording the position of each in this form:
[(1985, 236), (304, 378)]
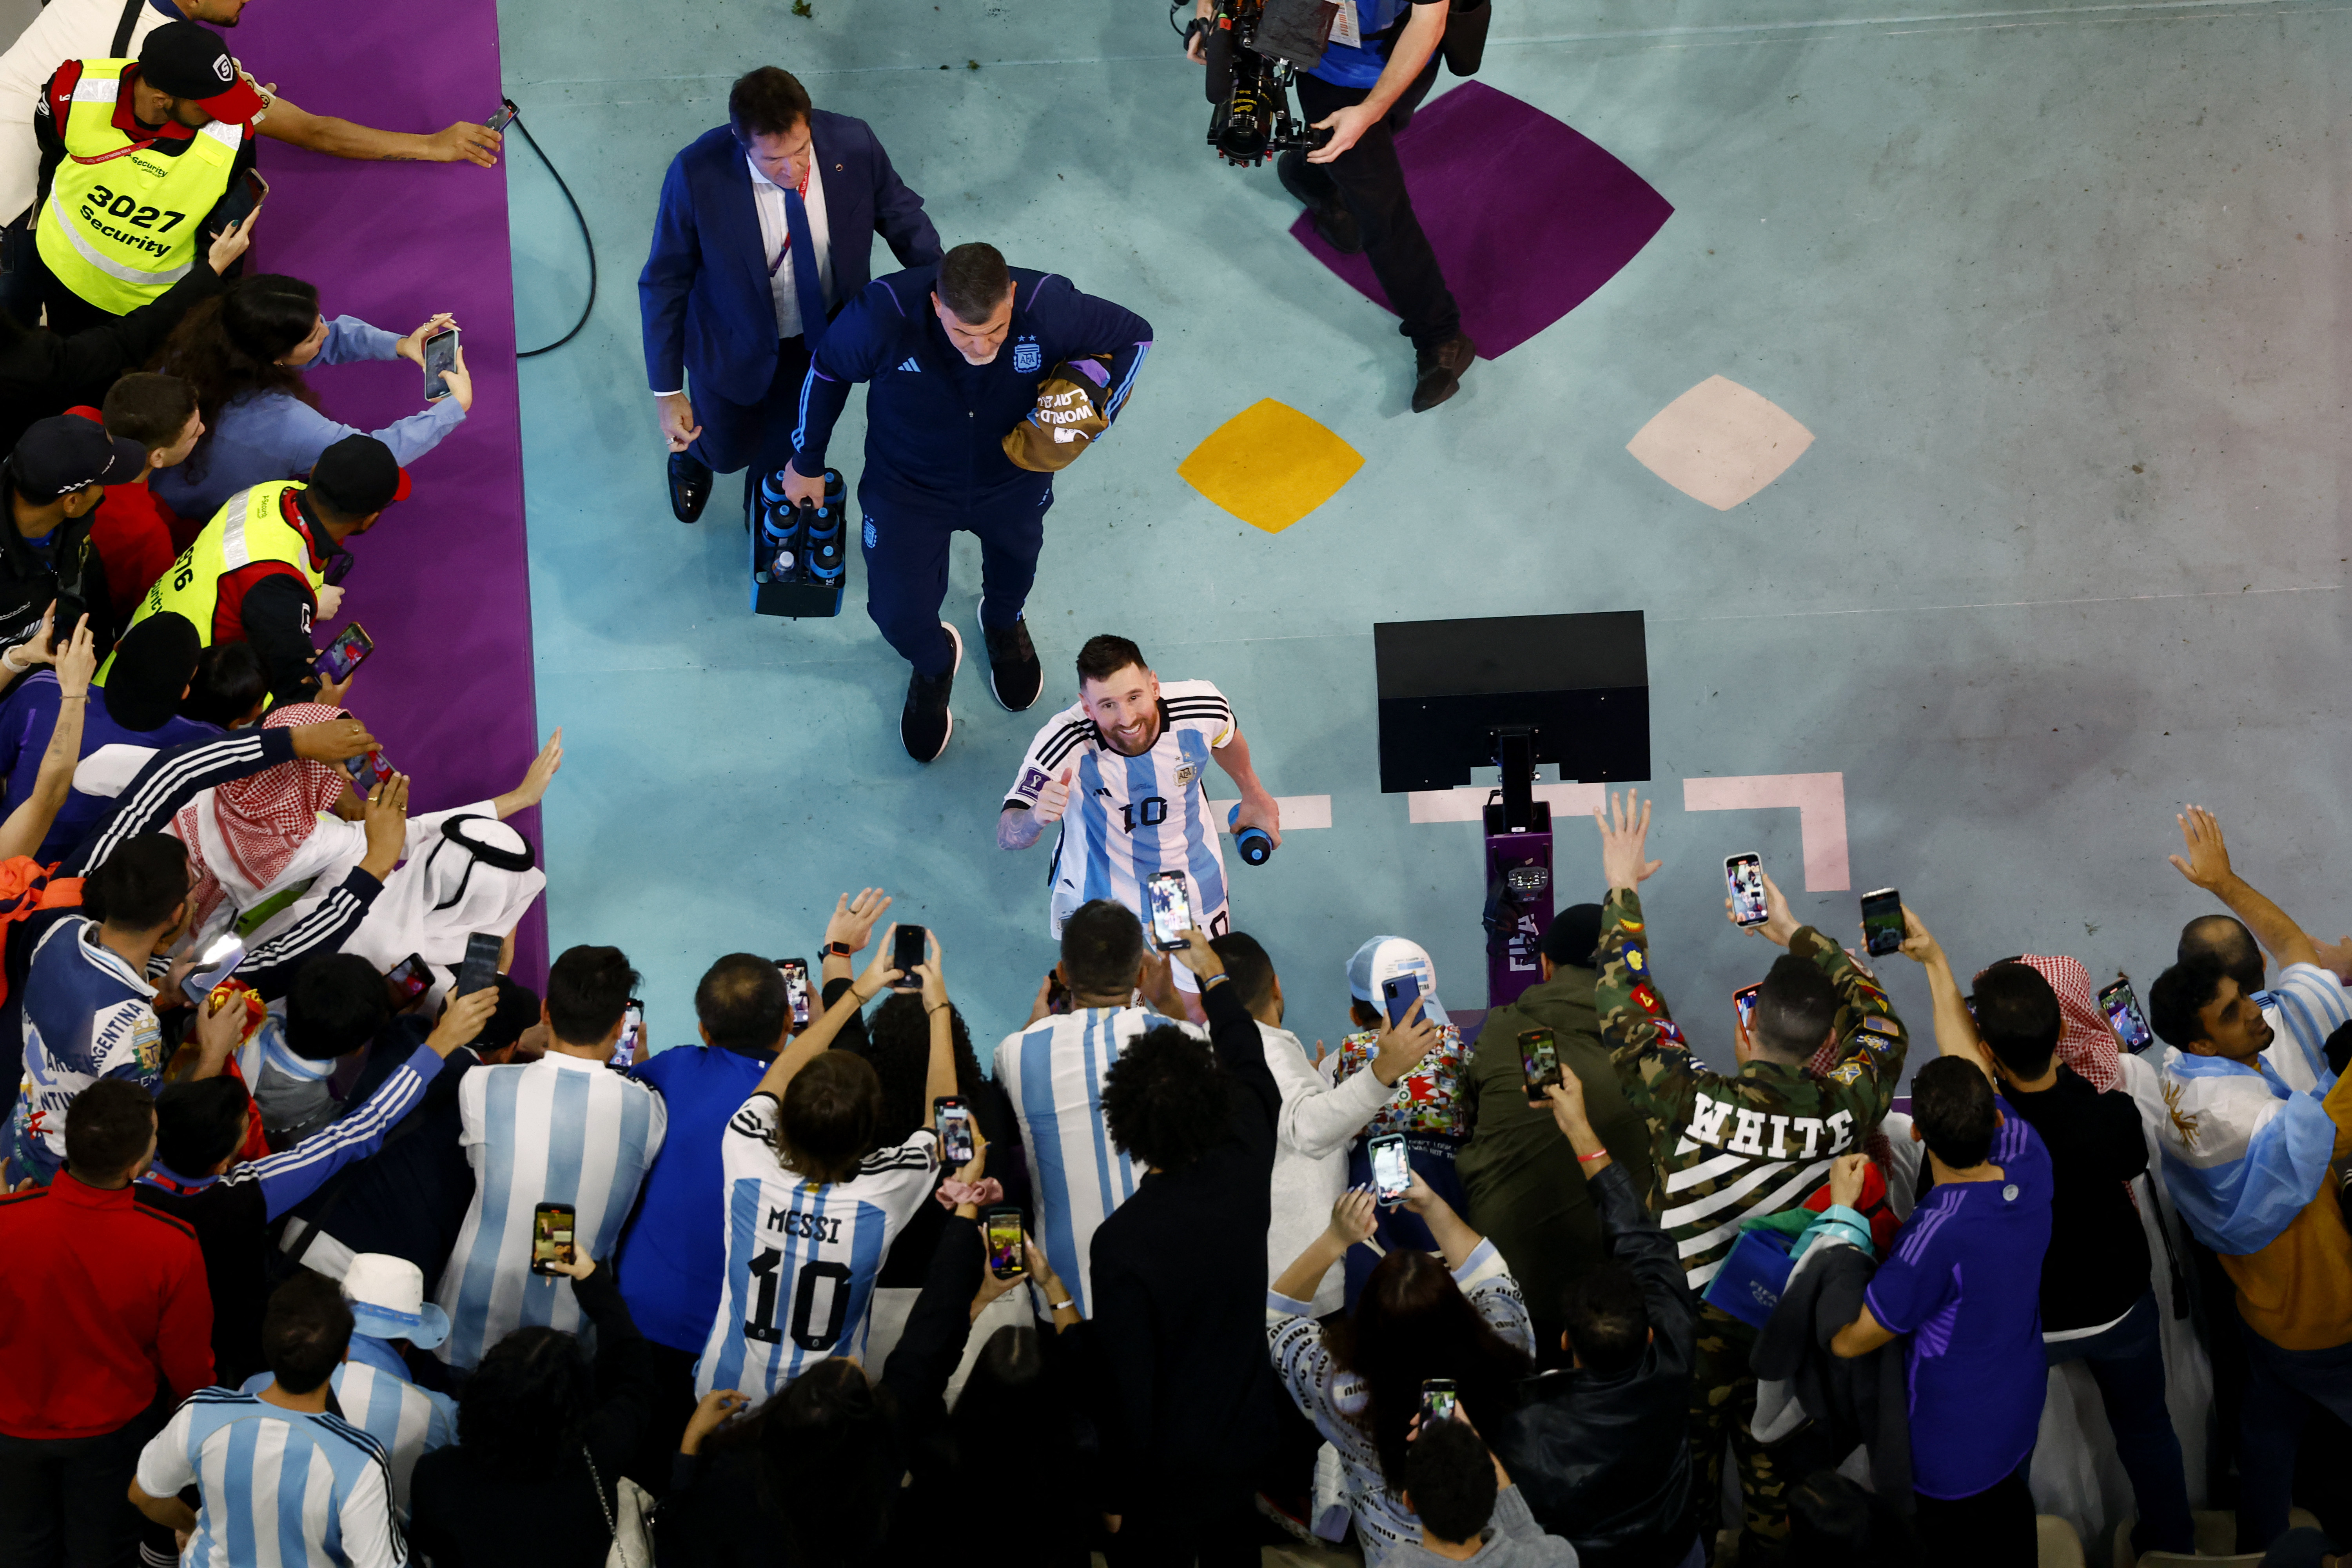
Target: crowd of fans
[(328, 1241)]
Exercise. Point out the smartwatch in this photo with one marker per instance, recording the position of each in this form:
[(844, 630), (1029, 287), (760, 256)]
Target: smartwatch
[(839, 950)]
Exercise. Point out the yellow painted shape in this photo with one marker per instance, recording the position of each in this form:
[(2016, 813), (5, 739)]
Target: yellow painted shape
[(1270, 465)]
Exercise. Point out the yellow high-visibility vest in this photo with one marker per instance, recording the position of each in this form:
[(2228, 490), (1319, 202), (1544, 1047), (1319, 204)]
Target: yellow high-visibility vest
[(251, 527), (120, 224)]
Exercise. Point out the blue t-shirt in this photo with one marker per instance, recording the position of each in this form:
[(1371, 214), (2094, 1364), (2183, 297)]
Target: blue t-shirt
[(1965, 1283), (27, 719), (673, 1256), (1359, 65)]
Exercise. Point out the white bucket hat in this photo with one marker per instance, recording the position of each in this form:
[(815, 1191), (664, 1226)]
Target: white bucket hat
[(387, 1300)]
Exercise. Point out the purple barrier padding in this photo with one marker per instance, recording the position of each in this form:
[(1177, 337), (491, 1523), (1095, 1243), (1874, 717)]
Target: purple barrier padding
[(1528, 218), (442, 582)]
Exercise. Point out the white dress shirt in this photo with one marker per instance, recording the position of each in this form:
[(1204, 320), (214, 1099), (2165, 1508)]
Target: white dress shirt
[(776, 236)]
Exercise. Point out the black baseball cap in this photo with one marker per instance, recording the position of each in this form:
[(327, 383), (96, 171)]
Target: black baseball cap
[(1574, 933), (58, 456), (191, 62), (356, 476)]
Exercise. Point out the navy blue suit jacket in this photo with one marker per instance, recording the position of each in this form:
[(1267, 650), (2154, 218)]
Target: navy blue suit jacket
[(704, 294)]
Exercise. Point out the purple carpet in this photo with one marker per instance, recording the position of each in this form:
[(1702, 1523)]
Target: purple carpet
[(442, 582), (1528, 218)]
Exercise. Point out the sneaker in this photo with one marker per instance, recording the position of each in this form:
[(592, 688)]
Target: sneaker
[(1437, 373), (1015, 676), (1333, 221), (925, 723)]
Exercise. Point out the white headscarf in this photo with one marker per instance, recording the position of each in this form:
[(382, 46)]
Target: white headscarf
[(443, 893)]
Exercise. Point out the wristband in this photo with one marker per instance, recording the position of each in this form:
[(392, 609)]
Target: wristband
[(839, 950), (1065, 1305), (935, 1012), (1596, 1155), (1212, 979)]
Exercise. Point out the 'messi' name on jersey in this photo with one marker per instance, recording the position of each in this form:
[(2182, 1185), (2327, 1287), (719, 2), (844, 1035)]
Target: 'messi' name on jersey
[(804, 1226)]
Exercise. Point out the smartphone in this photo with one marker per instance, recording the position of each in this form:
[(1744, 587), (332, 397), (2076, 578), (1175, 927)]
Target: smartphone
[(480, 966), (1439, 1396), (2122, 1009), (503, 118), (633, 1029), (1002, 1227), (1882, 922), (1392, 1169), (440, 354), (1171, 904), (347, 653), (796, 988), (906, 950), (410, 978), (216, 964), (1399, 995), (550, 1235), (952, 1117), (1744, 875), (367, 770), (1058, 995), (1743, 1007), (1539, 1063), (255, 186)]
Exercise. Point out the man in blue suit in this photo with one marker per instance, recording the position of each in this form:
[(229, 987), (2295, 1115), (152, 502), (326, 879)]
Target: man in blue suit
[(766, 223), (953, 356)]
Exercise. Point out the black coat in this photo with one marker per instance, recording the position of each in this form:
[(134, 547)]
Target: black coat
[(1864, 1400), (43, 374), (1604, 1460)]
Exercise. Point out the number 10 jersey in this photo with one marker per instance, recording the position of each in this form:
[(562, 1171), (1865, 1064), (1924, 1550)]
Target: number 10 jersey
[(801, 1255), (1131, 816)]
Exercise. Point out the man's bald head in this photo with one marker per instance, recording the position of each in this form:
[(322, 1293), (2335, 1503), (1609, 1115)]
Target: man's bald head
[(2227, 942)]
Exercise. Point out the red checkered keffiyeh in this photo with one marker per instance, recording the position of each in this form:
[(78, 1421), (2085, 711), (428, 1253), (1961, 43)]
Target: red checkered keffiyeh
[(2087, 1041), (265, 818)]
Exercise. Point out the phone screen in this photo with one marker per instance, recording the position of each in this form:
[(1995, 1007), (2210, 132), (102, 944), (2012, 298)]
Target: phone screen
[(409, 979), (503, 118), (2122, 1009), (952, 1117), (345, 653), (1171, 908), (633, 1029), (796, 987), (440, 354), (905, 953), (216, 964), (480, 967), (1538, 1061), (1401, 993), (1004, 1256), (1439, 1396), (1881, 921), (1743, 1004), (1391, 1170), (550, 1235), (1744, 875), (367, 770)]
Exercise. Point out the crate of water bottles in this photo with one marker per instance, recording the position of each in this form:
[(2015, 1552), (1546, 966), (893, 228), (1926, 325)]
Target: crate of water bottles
[(798, 552)]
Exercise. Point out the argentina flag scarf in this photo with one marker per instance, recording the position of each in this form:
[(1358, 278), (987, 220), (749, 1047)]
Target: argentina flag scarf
[(2243, 1153)]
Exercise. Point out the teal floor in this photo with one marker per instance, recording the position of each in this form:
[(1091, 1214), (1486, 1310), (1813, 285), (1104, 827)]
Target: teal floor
[(2061, 292)]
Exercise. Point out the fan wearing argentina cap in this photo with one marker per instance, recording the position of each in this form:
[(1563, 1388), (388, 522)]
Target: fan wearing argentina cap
[(2248, 1161), (1120, 772)]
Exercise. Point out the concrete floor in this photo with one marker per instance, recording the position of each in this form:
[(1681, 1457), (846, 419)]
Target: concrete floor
[(2056, 289)]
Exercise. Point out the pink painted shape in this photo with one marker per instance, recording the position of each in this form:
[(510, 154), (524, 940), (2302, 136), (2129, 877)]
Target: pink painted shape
[(1819, 800)]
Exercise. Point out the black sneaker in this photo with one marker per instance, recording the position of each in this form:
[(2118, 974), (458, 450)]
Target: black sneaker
[(1437, 373), (925, 723), (1333, 221), (1015, 676)]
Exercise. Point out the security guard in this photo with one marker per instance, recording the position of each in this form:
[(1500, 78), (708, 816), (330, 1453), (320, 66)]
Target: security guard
[(263, 567), (1727, 1147), (143, 161)]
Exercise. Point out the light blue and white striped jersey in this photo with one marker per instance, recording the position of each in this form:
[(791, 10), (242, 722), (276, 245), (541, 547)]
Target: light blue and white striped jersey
[(408, 1422), (1054, 1072), (280, 1487), (801, 1255), (2306, 1006), (1129, 816), (561, 1129)]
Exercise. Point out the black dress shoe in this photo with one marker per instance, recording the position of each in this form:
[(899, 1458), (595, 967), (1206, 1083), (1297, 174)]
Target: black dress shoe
[(689, 487), (1437, 373), (1333, 222), (1015, 676)]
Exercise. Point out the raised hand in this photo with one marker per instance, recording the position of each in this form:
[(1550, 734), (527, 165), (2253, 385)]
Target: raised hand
[(1624, 831)]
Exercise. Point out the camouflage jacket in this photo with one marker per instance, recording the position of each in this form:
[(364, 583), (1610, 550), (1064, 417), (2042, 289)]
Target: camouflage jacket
[(1730, 1146)]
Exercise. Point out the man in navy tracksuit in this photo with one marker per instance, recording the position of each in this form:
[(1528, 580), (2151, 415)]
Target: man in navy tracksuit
[(955, 353)]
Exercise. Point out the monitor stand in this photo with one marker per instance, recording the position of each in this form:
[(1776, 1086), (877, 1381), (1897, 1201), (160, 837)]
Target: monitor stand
[(1518, 871)]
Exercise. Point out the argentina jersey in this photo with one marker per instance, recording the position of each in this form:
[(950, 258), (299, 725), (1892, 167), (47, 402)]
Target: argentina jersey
[(1052, 1071), (279, 1486), (1131, 816), (801, 1255), (557, 1130)]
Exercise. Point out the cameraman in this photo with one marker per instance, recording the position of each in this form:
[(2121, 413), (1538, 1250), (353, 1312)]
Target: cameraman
[(1380, 63)]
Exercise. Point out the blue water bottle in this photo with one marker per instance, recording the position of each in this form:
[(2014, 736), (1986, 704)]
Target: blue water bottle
[(1256, 844)]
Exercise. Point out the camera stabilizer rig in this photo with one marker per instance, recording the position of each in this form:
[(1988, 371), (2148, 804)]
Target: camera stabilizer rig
[(1250, 91)]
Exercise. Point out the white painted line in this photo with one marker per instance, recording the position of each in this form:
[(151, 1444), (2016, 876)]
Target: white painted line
[(1297, 811), (1819, 800)]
